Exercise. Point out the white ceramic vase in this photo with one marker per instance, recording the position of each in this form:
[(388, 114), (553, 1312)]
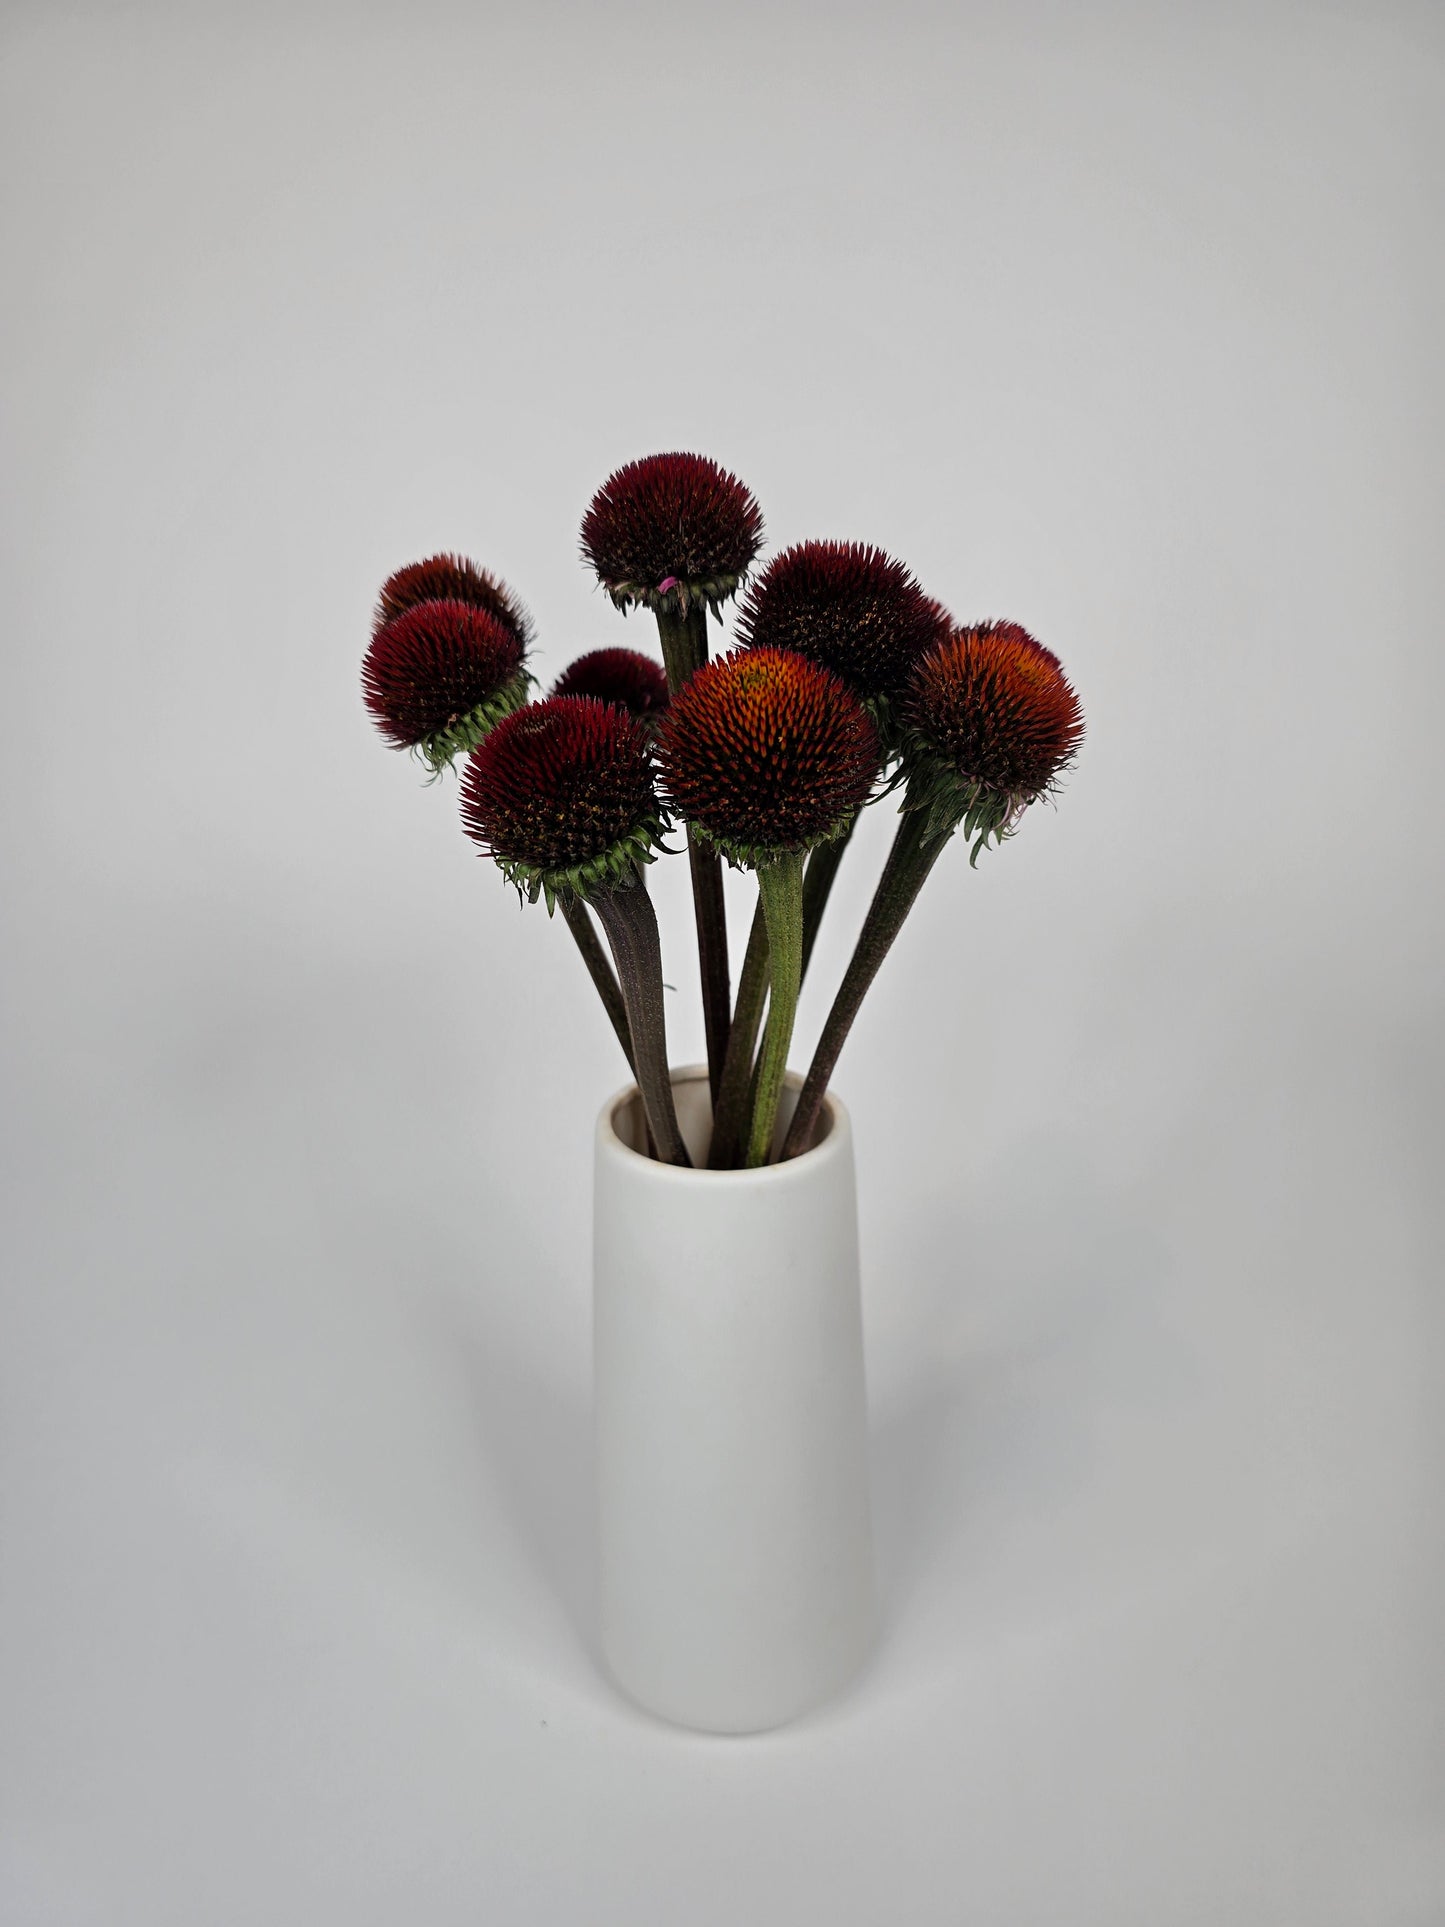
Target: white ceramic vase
[(735, 1548)]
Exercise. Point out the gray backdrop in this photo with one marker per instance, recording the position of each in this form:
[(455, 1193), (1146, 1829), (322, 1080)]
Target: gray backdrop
[(1122, 321)]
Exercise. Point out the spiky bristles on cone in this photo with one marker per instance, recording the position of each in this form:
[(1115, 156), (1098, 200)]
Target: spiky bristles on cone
[(992, 722), (438, 676), (452, 578), (626, 677), (766, 753), (561, 794), (670, 530), (848, 606)]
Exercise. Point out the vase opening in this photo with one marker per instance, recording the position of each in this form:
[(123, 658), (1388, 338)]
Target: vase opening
[(694, 1117)]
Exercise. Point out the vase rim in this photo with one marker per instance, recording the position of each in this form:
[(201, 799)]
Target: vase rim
[(834, 1126)]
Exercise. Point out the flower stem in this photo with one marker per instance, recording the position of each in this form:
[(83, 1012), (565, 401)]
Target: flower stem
[(818, 884), (710, 913), (684, 642), (731, 1115), (601, 972), (909, 862), (630, 921), (780, 885), (684, 649)]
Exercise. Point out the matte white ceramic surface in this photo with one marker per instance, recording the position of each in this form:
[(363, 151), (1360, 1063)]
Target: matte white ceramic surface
[(736, 1566)]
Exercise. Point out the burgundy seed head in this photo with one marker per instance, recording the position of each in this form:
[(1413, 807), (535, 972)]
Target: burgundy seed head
[(558, 784), (850, 607), (452, 578), (767, 752), (626, 677), (437, 675), (675, 526)]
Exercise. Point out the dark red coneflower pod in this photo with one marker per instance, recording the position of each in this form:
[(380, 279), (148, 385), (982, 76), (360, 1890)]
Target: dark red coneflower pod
[(851, 608), (561, 796), (678, 533), (671, 530), (824, 863), (767, 755), (861, 614), (990, 722), (626, 677), (452, 578), (438, 676)]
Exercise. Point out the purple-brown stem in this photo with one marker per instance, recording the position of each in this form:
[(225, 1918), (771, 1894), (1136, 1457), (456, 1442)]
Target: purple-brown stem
[(630, 922), (684, 650), (909, 862), (575, 914)]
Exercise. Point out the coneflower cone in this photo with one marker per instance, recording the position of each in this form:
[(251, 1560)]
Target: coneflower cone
[(766, 753), (452, 578), (626, 677), (849, 607), (671, 530), (991, 722), (561, 794), (438, 676)]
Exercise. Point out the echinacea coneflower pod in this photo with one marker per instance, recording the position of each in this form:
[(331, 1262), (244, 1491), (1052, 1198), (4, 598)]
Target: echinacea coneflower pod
[(766, 754), (862, 614), (851, 608), (671, 529), (561, 796), (626, 677), (677, 533), (452, 578), (439, 675), (990, 722)]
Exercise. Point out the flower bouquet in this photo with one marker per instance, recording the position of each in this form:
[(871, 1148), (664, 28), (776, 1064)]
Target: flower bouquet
[(736, 1571)]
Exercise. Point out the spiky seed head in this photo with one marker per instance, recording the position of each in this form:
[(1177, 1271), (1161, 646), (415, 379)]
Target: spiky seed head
[(635, 682), (438, 676), (851, 608), (561, 794), (766, 753), (992, 723), (452, 578), (671, 530)]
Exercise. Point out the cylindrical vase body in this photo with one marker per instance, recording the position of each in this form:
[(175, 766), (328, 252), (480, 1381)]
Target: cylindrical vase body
[(735, 1549)]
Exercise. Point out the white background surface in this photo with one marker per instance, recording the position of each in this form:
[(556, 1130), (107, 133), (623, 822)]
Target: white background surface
[(1122, 322)]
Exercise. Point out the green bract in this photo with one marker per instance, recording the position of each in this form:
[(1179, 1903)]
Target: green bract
[(614, 869), (441, 749)]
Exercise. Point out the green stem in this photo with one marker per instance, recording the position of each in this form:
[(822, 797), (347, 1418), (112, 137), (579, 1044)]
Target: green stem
[(574, 912), (684, 650), (818, 885), (628, 918), (731, 1115), (904, 874), (780, 885), (684, 642)]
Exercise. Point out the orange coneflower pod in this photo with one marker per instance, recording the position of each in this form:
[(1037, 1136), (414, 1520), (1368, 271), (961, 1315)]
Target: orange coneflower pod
[(990, 721), (767, 754)]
